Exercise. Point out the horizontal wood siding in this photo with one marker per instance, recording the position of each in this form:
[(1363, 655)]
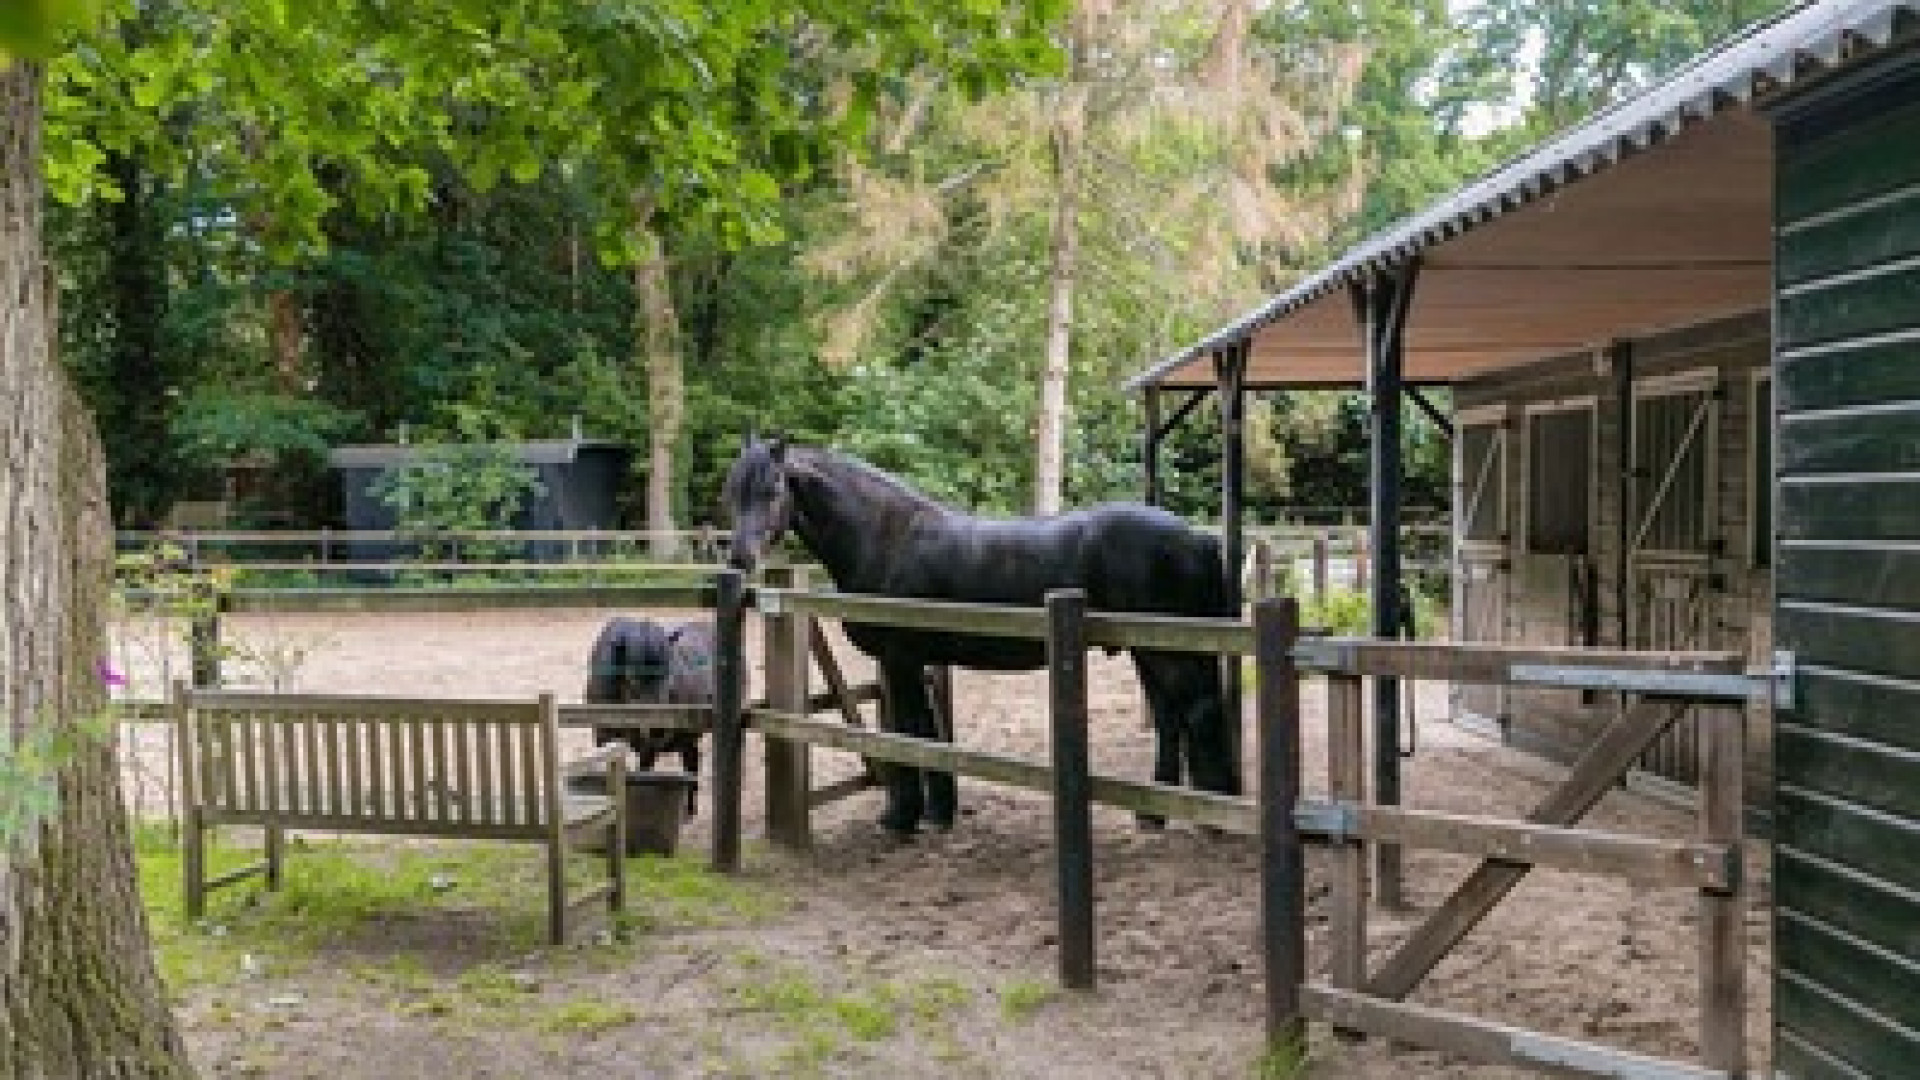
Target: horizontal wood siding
[(1847, 370)]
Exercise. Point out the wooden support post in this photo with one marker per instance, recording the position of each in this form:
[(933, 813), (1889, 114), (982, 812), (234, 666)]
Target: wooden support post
[(1150, 436), (788, 768), (1320, 546), (1347, 782), (204, 634), (1072, 790), (729, 721), (1283, 868), (1599, 768), (1230, 372), (1723, 945)]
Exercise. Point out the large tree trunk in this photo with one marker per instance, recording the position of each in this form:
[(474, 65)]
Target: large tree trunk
[(1050, 427), (79, 996), (659, 334)]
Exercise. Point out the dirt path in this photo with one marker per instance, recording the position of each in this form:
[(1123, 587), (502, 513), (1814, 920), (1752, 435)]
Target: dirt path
[(971, 911)]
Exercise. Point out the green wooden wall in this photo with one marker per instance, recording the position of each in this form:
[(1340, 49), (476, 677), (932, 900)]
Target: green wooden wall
[(1847, 756)]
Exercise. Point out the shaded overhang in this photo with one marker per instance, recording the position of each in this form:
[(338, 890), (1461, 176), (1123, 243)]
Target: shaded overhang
[(1653, 215)]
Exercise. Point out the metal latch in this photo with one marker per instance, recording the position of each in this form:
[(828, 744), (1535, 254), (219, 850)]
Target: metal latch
[(1330, 819)]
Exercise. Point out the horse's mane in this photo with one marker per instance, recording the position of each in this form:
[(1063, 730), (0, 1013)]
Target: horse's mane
[(865, 474)]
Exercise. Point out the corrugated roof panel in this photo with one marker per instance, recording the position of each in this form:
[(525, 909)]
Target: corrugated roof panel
[(1765, 58)]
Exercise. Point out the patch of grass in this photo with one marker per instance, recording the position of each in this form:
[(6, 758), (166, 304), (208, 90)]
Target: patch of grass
[(1286, 1060), (682, 891), (937, 996), (1020, 999), (789, 996), (584, 1016), (868, 1017)]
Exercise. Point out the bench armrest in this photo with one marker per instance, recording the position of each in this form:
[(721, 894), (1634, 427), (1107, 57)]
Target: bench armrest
[(607, 758)]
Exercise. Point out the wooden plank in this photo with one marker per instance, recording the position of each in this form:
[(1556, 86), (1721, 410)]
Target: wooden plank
[(1876, 234), (1648, 861), (469, 598), (1489, 1041), (841, 789), (545, 786), (1850, 573), (1852, 442), (1486, 662), (788, 772), (1846, 899), (1347, 877), (1862, 772), (1859, 308), (1072, 812), (663, 717), (730, 677), (915, 614), (1592, 776), (1225, 812), (1853, 161), (1828, 1016), (1888, 646), (1799, 1057), (1224, 637), (252, 701), (1875, 844), (1283, 869), (383, 826), (1860, 374), (1723, 942), (1868, 972), (823, 659)]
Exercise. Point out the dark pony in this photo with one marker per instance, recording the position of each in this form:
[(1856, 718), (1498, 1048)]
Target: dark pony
[(641, 662), (876, 535)]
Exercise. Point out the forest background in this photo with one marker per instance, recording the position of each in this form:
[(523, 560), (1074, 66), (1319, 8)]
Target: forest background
[(938, 240)]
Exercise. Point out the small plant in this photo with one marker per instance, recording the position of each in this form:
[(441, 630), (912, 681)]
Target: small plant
[(586, 1017), (457, 488), (1285, 1060), (1021, 999)]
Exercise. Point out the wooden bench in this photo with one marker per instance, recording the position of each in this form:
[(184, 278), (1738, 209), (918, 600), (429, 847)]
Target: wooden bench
[(485, 770)]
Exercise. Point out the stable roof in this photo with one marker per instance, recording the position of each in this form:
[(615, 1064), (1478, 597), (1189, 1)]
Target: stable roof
[(1653, 214)]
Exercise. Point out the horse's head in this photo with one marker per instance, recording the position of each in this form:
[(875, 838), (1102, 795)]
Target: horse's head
[(757, 500)]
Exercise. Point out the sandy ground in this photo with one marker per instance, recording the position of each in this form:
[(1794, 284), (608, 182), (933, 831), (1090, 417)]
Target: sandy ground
[(1180, 989)]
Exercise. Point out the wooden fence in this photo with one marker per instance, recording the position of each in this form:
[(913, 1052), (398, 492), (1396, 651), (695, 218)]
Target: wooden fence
[(1655, 688)]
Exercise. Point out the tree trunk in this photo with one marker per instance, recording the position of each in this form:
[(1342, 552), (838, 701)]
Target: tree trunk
[(79, 996), (1050, 428), (659, 334)]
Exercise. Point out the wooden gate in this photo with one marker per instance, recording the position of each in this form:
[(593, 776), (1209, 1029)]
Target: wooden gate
[(1672, 531), (1482, 560)]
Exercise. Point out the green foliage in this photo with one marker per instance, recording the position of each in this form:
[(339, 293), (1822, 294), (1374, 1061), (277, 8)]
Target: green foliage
[(216, 425), (457, 487), (1019, 1000)]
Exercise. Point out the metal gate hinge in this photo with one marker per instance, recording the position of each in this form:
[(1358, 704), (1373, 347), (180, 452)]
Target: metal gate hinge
[(1782, 677)]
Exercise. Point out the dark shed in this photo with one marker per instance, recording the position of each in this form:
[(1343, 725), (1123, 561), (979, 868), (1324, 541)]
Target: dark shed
[(581, 481), (1707, 299)]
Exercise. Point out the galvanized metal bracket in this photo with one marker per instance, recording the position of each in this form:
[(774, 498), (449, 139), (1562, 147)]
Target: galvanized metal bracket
[(1783, 677), (769, 601), (1690, 684), (1324, 654), (1334, 820)]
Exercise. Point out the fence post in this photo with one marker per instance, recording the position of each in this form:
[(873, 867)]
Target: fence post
[(1283, 869), (729, 733), (1723, 945), (789, 775), (1072, 806), (1347, 783), (203, 636)]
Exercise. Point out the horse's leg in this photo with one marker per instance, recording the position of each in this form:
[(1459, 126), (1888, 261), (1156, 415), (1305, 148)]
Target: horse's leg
[(1156, 680), (690, 761), (1203, 709), (906, 714), (943, 791)]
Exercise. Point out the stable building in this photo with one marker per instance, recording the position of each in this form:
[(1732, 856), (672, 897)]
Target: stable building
[(1682, 342)]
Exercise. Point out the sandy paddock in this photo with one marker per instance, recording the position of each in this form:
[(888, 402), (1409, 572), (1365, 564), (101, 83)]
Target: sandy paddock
[(1180, 992)]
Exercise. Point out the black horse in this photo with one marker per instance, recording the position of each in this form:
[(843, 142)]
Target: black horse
[(876, 535)]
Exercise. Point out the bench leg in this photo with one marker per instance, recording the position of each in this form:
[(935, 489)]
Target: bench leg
[(276, 850), (557, 891), (193, 863), (617, 865)]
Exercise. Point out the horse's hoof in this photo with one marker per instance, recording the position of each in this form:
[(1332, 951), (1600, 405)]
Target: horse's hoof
[(1150, 822)]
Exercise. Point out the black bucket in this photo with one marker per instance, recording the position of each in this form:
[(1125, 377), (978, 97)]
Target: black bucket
[(656, 807)]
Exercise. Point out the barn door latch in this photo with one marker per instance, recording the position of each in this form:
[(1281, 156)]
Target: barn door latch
[(1781, 676)]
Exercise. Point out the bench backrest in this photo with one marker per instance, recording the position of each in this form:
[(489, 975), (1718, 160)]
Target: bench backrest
[(444, 768)]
